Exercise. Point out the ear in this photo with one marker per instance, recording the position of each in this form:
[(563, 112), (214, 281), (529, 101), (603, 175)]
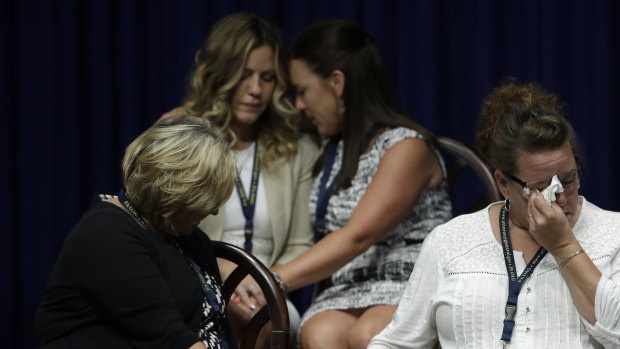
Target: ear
[(336, 81), (502, 183)]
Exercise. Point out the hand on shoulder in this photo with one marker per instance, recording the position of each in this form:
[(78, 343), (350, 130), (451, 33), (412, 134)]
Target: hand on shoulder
[(174, 113)]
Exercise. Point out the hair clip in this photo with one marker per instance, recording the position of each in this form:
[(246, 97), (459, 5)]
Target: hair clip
[(533, 115)]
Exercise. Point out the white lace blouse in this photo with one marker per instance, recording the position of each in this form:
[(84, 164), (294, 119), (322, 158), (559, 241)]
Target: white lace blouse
[(458, 289)]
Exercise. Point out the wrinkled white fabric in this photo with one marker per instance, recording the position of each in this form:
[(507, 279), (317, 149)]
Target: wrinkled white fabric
[(457, 292)]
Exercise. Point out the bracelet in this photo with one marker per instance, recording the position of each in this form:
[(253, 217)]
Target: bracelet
[(279, 281), (572, 255)]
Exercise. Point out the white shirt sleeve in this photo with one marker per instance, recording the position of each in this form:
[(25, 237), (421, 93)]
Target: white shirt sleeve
[(413, 324), (606, 330)]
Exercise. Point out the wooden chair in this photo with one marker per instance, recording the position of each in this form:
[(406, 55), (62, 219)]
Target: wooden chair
[(459, 158), (275, 310)]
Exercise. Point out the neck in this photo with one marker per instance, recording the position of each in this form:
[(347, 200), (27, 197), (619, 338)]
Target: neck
[(242, 144), (149, 226), (246, 135)]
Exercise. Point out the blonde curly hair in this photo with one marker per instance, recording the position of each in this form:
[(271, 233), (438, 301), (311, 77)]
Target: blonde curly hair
[(219, 65)]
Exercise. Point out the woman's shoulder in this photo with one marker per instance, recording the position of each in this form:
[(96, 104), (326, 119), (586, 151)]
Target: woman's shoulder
[(104, 222), (306, 153), (463, 233), (596, 229), (393, 135), (308, 144)]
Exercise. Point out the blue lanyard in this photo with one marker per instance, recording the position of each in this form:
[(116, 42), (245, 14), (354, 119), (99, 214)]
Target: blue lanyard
[(248, 205), (326, 191), (132, 211), (514, 283), (207, 291)]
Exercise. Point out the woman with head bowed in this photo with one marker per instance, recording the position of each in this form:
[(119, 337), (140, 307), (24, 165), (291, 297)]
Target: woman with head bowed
[(136, 272), (538, 270), (240, 83), (380, 186)]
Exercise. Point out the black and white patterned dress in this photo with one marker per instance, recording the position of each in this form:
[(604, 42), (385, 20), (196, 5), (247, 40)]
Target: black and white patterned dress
[(379, 275)]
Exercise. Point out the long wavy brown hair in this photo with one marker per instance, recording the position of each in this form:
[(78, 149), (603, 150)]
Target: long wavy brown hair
[(218, 67)]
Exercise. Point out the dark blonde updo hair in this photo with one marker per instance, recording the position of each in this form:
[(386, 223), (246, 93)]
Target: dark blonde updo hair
[(518, 117), (178, 164), (218, 68)]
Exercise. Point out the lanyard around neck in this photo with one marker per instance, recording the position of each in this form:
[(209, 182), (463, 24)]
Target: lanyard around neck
[(514, 283), (215, 301), (248, 204), (326, 191), (132, 211)]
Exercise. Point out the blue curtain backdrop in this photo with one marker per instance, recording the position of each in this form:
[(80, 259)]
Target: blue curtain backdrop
[(80, 79)]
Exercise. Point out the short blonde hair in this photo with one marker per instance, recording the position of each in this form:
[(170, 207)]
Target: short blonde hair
[(176, 165), (219, 66)]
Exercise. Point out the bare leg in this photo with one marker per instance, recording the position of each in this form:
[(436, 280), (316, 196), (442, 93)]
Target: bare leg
[(328, 329), (372, 321)]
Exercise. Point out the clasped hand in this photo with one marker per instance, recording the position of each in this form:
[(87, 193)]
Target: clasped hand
[(247, 299)]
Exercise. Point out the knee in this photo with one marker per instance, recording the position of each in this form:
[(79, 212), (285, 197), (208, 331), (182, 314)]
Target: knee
[(315, 335), (361, 334)]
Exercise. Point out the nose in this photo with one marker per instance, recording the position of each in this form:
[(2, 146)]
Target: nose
[(255, 86), (560, 198), (299, 104)]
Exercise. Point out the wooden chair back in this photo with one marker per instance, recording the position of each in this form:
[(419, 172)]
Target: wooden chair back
[(275, 310), (459, 158)]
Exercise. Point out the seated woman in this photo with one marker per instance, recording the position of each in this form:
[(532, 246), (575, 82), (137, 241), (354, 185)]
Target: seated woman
[(380, 187), (540, 270), (136, 272), (240, 84)]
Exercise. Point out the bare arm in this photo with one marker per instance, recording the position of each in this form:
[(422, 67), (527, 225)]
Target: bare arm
[(404, 171), (198, 345)]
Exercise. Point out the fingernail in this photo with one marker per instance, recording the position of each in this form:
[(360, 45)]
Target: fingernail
[(252, 306), (236, 299)]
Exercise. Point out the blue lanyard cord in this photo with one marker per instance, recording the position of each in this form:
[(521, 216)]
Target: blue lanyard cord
[(248, 205), (207, 290), (326, 191), (132, 211), (514, 283)]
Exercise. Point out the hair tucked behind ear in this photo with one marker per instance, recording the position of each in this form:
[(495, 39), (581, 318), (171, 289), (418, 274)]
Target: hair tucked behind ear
[(522, 117)]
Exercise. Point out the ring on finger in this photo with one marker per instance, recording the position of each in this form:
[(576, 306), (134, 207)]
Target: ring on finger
[(529, 215), (251, 288)]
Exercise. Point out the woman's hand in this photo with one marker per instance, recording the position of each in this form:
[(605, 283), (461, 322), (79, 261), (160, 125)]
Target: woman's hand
[(174, 113), (548, 224), (249, 294)]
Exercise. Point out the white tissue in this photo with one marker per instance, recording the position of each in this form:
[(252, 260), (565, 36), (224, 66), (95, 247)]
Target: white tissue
[(549, 192)]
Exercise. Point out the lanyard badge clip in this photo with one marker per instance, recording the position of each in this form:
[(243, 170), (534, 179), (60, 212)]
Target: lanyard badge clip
[(511, 311)]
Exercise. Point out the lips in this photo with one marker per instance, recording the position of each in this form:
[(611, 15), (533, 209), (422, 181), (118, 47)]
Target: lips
[(252, 105)]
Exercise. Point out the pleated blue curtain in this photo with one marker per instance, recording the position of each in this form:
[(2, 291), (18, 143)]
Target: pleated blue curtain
[(80, 79)]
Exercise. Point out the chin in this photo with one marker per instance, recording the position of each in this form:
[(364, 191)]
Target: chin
[(326, 132), (248, 117)]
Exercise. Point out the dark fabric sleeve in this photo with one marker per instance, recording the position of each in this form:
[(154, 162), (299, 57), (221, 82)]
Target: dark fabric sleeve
[(116, 265)]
